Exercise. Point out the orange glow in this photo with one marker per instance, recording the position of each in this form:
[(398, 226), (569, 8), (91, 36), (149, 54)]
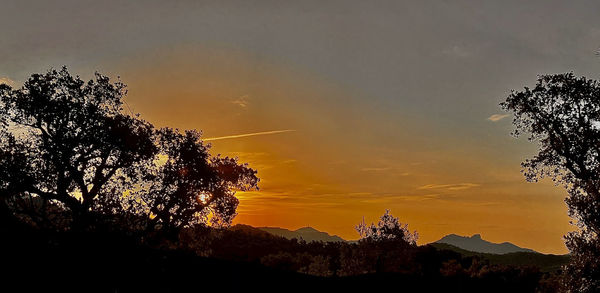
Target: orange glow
[(343, 160)]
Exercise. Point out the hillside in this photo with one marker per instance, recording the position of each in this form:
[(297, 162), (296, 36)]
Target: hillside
[(476, 244), (247, 229), (546, 262), (308, 234)]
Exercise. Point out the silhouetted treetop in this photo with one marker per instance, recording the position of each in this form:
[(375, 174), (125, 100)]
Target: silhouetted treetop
[(562, 113), (188, 185), (388, 228), (74, 136)]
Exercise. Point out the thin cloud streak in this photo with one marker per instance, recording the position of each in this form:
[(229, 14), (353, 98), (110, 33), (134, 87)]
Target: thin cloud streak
[(497, 117), (459, 186), (248, 134), (375, 169), (241, 101)]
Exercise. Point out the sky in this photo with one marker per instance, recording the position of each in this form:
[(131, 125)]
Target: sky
[(345, 108)]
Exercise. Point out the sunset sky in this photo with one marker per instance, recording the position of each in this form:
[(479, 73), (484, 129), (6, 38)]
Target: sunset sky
[(345, 108)]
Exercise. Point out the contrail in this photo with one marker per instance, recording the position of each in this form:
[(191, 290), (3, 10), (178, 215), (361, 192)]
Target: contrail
[(248, 134)]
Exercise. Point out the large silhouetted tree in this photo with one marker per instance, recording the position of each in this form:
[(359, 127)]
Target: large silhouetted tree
[(69, 143), (562, 114), (189, 186)]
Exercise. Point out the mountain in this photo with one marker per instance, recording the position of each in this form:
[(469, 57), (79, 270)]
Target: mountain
[(476, 244), (545, 262), (307, 233), (247, 229)]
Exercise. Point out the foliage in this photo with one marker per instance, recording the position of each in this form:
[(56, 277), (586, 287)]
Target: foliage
[(112, 262), (388, 228), (63, 139), (189, 185), (68, 146), (562, 114), (347, 261)]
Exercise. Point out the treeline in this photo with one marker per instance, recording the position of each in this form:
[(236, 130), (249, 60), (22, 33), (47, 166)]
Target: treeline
[(242, 257), (366, 257), (121, 255)]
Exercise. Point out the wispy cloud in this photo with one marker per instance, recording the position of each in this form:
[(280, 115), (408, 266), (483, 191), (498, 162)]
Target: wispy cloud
[(497, 117), (397, 198), (375, 169), (457, 51), (458, 186), (241, 101), (7, 81), (248, 134)]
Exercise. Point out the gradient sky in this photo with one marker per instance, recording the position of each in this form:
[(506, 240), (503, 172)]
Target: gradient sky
[(352, 106)]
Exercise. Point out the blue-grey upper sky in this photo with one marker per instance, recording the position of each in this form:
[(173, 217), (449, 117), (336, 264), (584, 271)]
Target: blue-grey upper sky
[(426, 69), (449, 60)]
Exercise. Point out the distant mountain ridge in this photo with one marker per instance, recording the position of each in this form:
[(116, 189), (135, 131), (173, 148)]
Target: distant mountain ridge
[(546, 262), (476, 244), (473, 243), (308, 234)]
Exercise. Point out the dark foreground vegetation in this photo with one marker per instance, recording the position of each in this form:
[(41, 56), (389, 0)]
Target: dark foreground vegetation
[(243, 259)]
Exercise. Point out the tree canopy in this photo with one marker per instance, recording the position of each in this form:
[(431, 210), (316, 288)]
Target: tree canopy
[(388, 228), (70, 144), (562, 114)]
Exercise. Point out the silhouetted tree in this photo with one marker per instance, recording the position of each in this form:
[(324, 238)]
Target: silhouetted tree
[(189, 185), (69, 143), (385, 247), (562, 114), (388, 228)]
